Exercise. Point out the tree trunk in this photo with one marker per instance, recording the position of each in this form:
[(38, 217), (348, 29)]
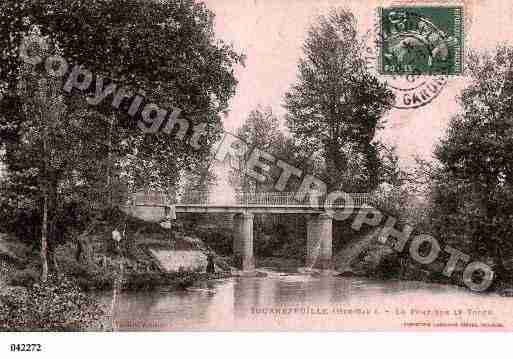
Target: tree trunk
[(336, 165), (53, 211), (109, 162), (44, 240)]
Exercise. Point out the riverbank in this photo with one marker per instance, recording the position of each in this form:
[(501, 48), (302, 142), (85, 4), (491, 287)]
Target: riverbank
[(67, 301), (136, 267)]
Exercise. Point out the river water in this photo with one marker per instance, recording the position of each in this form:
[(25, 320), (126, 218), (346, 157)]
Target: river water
[(285, 301)]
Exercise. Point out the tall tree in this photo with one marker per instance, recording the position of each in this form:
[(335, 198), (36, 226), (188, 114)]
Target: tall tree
[(261, 130), (472, 186), (167, 49), (45, 150), (337, 105)]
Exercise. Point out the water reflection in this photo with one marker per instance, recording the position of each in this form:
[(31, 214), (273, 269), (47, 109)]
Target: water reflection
[(288, 301)]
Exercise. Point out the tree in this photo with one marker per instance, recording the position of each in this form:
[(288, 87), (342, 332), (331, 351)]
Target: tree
[(472, 189), (43, 148), (261, 130), (166, 49), (337, 105)]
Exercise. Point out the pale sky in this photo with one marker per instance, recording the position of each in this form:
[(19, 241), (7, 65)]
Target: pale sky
[(271, 33)]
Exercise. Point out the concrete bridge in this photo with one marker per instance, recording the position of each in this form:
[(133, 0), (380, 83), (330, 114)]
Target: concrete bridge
[(245, 205)]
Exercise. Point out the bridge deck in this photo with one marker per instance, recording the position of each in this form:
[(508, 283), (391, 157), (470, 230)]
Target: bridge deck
[(254, 208), (265, 202)]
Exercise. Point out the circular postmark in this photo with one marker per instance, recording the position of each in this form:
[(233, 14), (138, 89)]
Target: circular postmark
[(413, 91)]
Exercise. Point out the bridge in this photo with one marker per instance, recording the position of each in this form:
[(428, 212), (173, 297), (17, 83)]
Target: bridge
[(259, 202), (244, 205)]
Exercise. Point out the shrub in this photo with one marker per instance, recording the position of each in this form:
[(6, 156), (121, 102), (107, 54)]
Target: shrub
[(293, 248), (58, 305), (219, 239), (87, 276), (388, 267), (25, 278), (147, 280)]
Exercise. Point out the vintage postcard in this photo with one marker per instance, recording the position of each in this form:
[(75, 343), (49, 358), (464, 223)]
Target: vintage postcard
[(256, 165)]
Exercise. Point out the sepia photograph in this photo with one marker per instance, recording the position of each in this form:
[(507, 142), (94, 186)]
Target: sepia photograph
[(255, 166)]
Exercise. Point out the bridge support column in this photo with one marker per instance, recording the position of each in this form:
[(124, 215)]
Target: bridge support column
[(243, 242), (319, 240), (313, 244), (326, 230)]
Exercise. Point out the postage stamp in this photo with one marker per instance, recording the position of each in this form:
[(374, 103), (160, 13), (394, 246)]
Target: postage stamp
[(421, 40)]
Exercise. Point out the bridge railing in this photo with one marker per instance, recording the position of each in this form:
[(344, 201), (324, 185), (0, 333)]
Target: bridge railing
[(196, 198), (269, 198), (266, 199)]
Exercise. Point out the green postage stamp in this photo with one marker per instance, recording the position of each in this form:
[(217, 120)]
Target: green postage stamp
[(423, 40)]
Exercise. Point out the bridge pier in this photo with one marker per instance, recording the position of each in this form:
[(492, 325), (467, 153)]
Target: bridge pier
[(243, 241), (313, 244), (319, 241)]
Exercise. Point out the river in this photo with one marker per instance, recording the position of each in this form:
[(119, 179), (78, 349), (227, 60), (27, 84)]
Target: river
[(285, 301)]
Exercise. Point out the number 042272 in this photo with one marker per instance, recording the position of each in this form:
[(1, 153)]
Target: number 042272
[(26, 347)]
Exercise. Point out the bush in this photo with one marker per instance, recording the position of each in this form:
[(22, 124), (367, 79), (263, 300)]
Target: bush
[(148, 280), (25, 278), (88, 276), (389, 267), (58, 305), (293, 248), (91, 277), (378, 261), (218, 239)]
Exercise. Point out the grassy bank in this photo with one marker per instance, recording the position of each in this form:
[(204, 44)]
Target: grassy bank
[(99, 266)]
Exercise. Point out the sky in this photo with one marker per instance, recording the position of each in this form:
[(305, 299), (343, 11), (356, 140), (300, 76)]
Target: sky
[(271, 33)]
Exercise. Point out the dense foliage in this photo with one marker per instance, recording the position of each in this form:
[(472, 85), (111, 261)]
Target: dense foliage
[(472, 188), (66, 159), (59, 305), (337, 106)]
